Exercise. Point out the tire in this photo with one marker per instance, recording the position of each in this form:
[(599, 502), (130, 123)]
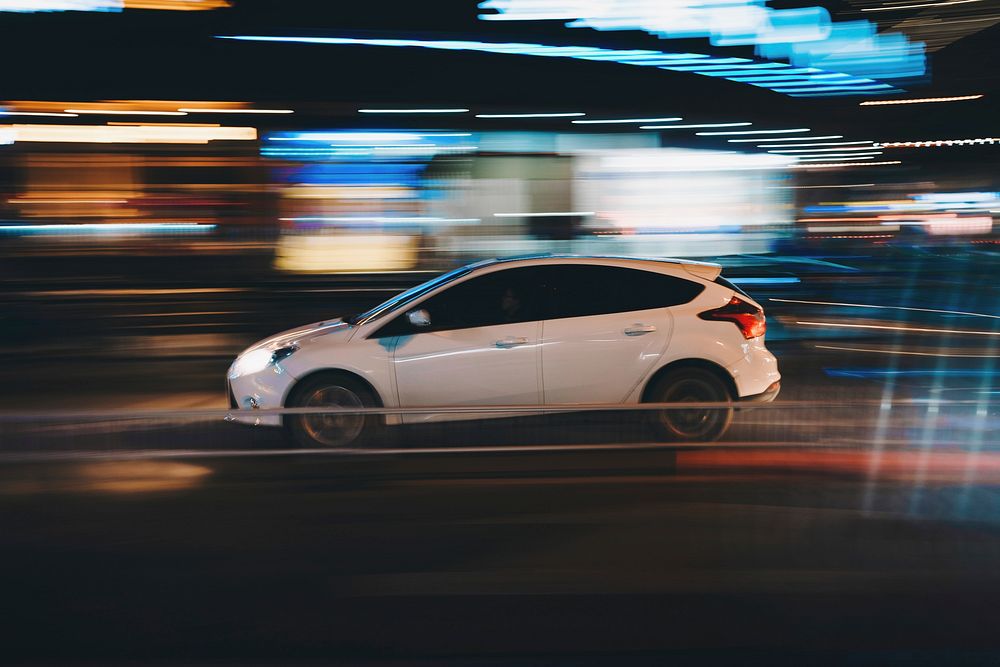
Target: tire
[(332, 430), (695, 385)]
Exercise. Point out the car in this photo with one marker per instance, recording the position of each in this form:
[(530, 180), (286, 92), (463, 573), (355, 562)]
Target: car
[(530, 331)]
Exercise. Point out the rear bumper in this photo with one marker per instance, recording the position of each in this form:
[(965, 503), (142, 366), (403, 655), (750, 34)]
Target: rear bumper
[(765, 396)]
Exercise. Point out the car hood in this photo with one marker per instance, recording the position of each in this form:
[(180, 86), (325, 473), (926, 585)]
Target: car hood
[(340, 330)]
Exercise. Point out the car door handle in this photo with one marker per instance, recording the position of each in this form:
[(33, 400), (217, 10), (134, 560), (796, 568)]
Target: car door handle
[(511, 341), (640, 329)]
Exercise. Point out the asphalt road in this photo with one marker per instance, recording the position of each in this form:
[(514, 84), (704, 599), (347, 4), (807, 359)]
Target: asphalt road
[(805, 556)]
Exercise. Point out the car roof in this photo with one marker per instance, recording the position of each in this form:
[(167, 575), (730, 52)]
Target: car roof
[(704, 270)]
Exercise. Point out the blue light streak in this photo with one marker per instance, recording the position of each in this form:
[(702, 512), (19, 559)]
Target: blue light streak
[(805, 36), (29, 6), (107, 228), (679, 62), (765, 281)]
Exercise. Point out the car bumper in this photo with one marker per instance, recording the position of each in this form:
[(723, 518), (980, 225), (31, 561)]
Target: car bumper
[(765, 396), (265, 390)]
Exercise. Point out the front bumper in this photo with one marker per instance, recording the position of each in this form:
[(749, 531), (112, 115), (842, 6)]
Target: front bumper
[(263, 390)]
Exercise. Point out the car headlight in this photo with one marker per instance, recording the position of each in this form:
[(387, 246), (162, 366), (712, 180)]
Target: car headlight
[(257, 360)]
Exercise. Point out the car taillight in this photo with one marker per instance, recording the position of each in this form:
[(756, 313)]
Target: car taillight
[(748, 317)]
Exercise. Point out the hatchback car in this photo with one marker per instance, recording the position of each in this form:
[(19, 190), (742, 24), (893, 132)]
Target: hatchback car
[(537, 331)]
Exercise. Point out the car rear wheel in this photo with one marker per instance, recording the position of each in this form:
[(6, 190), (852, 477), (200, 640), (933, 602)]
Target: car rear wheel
[(338, 428), (691, 385)]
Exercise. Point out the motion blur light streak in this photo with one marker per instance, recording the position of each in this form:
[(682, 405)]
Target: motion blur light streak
[(937, 143), (530, 115), (704, 65), (225, 110), (845, 164), (115, 112), (352, 136), (67, 201), (456, 110), (824, 150), (788, 131), (866, 305), (61, 5), (806, 36), (919, 6), (828, 143), (142, 134), (381, 219), (838, 156), (744, 141), (906, 353), (557, 214), (38, 113), (690, 127), (818, 187), (766, 281), (922, 100), (178, 5), (107, 228), (887, 327), (629, 120)]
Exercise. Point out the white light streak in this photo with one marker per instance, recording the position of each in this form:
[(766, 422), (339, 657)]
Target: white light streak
[(811, 187), (413, 110), (928, 4), (744, 141), (822, 150), (788, 131), (828, 143), (119, 112), (887, 327), (554, 214), (844, 164), (839, 157), (629, 120), (903, 352), (868, 305), (207, 110), (689, 127), (922, 100), (530, 115)]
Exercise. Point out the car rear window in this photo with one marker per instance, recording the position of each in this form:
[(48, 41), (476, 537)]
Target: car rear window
[(584, 290)]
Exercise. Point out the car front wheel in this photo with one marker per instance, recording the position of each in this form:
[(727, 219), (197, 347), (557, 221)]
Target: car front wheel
[(339, 427), (701, 424)]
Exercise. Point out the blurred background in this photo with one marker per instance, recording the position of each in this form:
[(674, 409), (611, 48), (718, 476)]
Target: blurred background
[(181, 178)]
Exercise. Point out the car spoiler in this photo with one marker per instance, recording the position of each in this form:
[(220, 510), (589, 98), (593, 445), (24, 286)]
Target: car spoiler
[(704, 270)]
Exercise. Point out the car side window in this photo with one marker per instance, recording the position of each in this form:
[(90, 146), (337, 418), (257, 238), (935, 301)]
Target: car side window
[(501, 297), (584, 290)]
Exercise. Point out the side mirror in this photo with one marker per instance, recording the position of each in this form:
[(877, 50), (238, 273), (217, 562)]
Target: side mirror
[(419, 318)]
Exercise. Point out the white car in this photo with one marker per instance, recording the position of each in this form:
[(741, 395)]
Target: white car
[(535, 331)]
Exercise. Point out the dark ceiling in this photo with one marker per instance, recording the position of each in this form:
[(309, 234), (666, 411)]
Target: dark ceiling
[(174, 55)]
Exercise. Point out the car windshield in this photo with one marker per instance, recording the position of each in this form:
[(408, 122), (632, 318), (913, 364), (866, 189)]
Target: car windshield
[(407, 296)]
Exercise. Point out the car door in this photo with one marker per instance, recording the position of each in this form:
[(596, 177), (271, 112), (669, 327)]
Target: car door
[(480, 347), (607, 327)]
